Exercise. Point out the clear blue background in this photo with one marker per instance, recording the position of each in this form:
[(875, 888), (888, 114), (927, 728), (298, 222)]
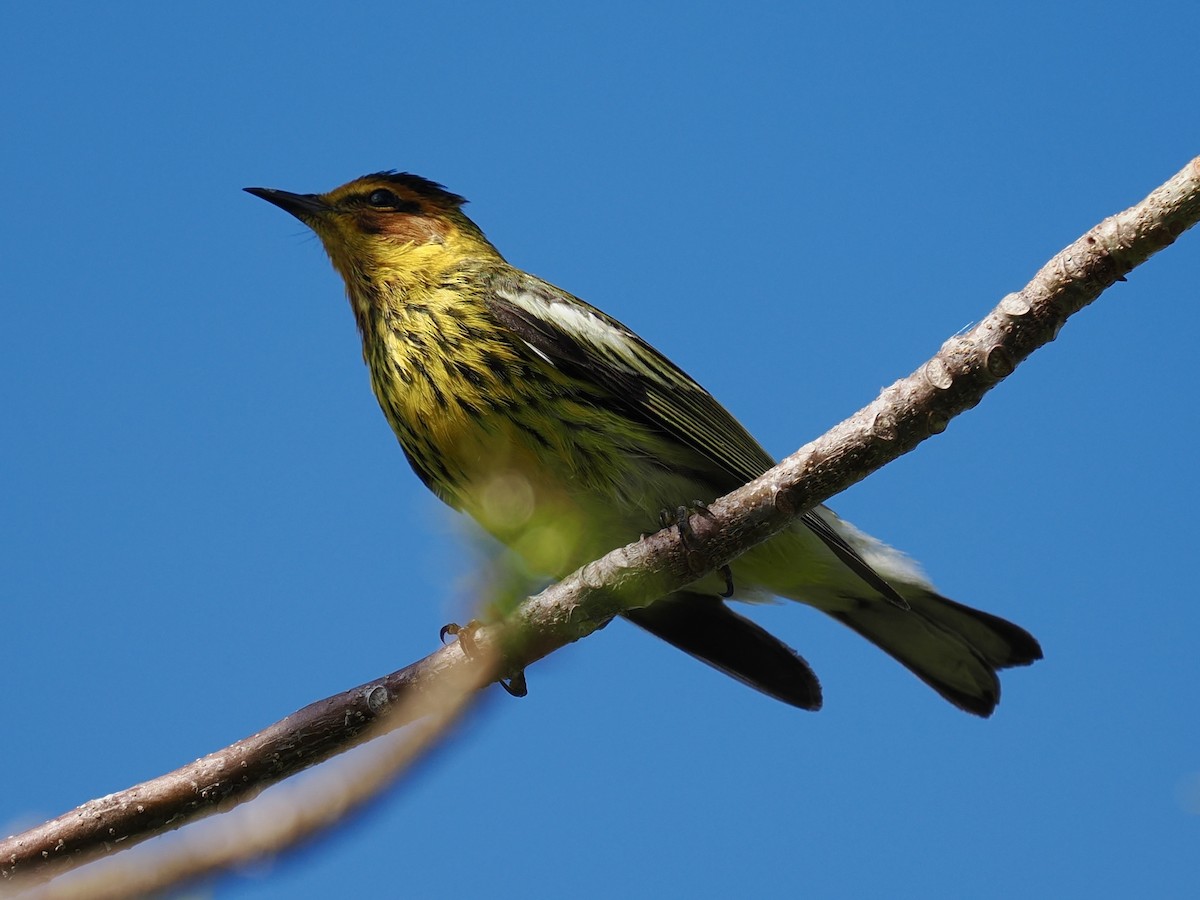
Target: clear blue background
[(205, 522)]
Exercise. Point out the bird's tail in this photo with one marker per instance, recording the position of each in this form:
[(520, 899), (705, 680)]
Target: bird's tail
[(953, 648), (709, 630)]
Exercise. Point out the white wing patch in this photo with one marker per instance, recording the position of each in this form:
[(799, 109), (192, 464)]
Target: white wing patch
[(579, 323)]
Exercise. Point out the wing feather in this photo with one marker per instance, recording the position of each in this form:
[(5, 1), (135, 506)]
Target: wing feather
[(584, 342)]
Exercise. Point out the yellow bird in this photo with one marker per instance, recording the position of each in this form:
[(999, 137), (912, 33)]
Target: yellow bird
[(564, 434)]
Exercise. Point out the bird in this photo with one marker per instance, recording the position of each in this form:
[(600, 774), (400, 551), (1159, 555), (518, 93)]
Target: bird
[(564, 434)]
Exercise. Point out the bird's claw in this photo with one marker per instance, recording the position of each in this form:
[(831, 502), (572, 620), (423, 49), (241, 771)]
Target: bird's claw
[(464, 633), (728, 573), (514, 685)]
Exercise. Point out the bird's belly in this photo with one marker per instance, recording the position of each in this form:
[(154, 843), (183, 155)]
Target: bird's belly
[(560, 507), (561, 504)]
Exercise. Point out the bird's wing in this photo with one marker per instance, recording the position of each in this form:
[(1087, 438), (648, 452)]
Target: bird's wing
[(587, 344), (595, 348)]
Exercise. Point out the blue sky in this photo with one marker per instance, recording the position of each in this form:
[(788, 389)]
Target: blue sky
[(205, 522)]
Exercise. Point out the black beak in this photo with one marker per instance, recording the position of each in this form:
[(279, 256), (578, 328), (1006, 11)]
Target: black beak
[(302, 206)]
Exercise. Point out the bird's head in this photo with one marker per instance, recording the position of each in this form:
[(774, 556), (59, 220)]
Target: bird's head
[(391, 225)]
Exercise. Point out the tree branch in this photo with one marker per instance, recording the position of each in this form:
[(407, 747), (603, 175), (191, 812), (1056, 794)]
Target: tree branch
[(904, 415)]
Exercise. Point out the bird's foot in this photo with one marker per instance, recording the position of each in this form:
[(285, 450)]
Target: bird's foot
[(464, 633), (514, 686), (681, 519)]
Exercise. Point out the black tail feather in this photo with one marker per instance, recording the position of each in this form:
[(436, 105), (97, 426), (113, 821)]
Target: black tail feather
[(953, 648), (999, 641), (709, 630)]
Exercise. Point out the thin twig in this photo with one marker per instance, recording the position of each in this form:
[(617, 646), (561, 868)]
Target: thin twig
[(286, 819)]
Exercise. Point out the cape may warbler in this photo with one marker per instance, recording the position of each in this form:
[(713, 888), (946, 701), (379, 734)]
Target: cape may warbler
[(565, 435)]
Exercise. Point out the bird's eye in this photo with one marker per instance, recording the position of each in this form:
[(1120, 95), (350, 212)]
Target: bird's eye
[(382, 198)]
